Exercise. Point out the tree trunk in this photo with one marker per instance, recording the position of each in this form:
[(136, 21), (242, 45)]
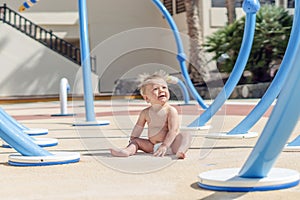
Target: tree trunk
[(197, 65), (281, 3), (231, 15)]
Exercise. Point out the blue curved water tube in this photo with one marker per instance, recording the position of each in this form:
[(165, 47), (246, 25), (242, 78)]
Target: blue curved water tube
[(185, 92), (270, 95), (250, 7), (280, 125), (283, 119), (181, 57), (19, 141)]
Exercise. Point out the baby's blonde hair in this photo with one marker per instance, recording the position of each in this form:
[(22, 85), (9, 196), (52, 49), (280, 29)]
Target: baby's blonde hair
[(146, 79)]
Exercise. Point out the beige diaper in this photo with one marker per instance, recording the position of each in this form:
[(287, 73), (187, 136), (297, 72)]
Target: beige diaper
[(157, 145)]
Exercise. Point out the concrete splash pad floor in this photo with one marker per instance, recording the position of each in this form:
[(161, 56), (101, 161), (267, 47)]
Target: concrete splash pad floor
[(100, 176)]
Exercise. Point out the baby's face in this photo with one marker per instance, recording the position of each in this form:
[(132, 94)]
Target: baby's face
[(157, 93)]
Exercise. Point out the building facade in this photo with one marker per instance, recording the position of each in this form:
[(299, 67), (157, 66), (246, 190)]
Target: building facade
[(128, 37)]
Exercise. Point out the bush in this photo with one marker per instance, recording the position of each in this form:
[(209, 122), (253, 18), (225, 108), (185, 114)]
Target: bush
[(272, 31)]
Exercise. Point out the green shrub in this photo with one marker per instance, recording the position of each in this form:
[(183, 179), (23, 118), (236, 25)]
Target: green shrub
[(272, 31)]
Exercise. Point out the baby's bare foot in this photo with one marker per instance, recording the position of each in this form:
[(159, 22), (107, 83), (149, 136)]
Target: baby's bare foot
[(119, 152), (180, 155)]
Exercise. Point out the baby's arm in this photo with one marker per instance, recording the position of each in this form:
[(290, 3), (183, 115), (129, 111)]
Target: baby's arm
[(132, 147), (173, 127), (139, 126)]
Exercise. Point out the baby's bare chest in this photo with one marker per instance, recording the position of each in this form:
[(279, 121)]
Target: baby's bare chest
[(157, 119)]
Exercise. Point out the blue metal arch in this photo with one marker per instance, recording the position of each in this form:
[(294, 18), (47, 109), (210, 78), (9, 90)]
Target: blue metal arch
[(181, 57), (281, 122), (270, 95), (250, 7)]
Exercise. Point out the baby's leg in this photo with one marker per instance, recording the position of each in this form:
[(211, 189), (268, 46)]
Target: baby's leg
[(136, 144), (181, 144), (143, 144), (128, 151)]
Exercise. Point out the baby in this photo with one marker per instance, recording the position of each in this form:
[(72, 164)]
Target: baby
[(162, 120)]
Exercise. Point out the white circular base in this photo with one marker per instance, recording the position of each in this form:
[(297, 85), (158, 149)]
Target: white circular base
[(36, 131), (92, 123), (291, 148), (46, 142), (56, 159), (231, 136), (195, 128), (42, 142), (228, 180)]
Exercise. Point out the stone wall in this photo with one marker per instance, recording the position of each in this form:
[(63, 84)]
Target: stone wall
[(239, 92), (129, 87)]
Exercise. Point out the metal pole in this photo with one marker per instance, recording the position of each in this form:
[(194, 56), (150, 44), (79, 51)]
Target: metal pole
[(181, 57), (85, 61), (250, 7)]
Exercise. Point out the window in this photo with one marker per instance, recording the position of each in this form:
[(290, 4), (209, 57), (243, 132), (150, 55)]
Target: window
[(169, 5), (218, 3), (222, 3), (291, 4), (238, 3), (179, 6), (267, 2)]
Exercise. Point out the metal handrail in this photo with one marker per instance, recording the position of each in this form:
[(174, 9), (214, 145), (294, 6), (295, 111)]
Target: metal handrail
[(36, 32)]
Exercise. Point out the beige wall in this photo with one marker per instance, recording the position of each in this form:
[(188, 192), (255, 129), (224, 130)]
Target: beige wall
[(30, 68), (59, 16), (120, 33), (125, 37), (107, 19)]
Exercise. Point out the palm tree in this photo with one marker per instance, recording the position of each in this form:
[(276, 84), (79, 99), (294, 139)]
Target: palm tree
[(281, 3), (231, 15), (198, 62)]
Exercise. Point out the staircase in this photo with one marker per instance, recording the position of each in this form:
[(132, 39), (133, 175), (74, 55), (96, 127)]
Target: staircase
[(40, 34)]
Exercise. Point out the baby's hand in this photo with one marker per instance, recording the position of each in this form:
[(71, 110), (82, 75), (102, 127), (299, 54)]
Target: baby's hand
[(161, 151)]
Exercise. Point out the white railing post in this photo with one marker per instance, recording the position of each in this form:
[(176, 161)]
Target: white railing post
[(64, 89), (63, 96)]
